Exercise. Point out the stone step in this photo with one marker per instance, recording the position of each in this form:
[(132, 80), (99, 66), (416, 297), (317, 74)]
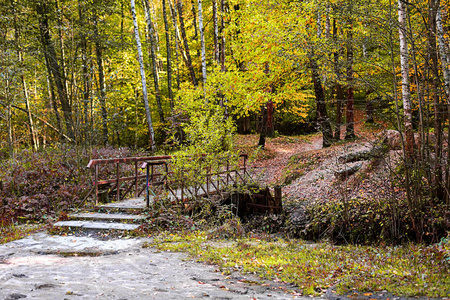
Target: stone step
[(125, 218), (96, 225), (133, 205)]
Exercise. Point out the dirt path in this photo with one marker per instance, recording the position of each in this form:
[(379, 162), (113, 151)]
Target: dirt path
[(269, 171), (68, 267), (317, 178)]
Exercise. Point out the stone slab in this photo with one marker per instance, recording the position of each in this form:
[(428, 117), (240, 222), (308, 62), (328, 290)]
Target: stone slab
[(110, 217), (96, 225)]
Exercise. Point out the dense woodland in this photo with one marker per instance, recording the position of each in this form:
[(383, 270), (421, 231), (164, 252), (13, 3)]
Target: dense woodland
[(154, 74)]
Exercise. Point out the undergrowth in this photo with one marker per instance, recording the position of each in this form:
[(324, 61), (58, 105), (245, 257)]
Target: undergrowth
[(411, 270), (37, 186), (11, 232)]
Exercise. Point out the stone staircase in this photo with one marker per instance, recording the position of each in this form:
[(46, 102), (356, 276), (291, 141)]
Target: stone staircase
[(124, 216)]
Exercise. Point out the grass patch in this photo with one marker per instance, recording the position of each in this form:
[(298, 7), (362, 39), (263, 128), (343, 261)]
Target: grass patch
[(11, 232), (411, 270)]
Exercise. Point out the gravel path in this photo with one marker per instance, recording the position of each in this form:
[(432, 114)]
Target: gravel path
[(69, 267)]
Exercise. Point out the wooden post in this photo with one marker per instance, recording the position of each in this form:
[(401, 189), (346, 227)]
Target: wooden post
[(117, 183), (96, 183), (278, 198), (136, 192), (147, 197)]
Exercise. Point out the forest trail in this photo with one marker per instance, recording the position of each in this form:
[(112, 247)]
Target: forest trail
[(270, 170), (304, 168)]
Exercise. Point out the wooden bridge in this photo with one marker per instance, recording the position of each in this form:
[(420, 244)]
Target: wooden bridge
[(123, 187), (160, 177)]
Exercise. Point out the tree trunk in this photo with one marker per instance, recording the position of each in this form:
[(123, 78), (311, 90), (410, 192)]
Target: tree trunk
[(445, 59), (169, 59), (422, 130), (33, 137), (8, 118), (153, 42), (263, 129), (338, 87), (216, 32), (406, 96), (61, 45), (222, 34), (144, 84), (438, 108), (101, 81), (52, 97), (49, 51), (202, 40), (185, 41), (85, 73), (177, 38), (194, 21), (445, 62), (350, 127), (321, 108)]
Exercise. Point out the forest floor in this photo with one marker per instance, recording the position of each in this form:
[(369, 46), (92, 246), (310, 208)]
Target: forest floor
[(306, 170)]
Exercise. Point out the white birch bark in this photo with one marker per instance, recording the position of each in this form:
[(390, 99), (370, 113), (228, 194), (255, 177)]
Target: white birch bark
[(445, 59), (142, 70), (216, 33), (406, 94), (202, 41)]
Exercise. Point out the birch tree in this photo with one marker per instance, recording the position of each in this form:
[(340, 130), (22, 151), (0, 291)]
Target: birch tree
[(153, 50), (169, 59), (142, 71), (406, 94), (202, 40)]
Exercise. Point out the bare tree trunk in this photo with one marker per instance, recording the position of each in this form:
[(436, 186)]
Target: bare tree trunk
[(169, 59), (194, 21), (33, 137), (321, 108), (85, 75), (338, 86), (445, 59), (438, 108), (101, 80), (445, 62), (42, 11), (144, 84), (222, 34), (61, 44), (419, 89), (350, 127), (216, 32), (52, 97), (185, 41), (174, 20), (409, 197), (8, 118), (263, 132), (153, 42), (202, 39), (406, 95)]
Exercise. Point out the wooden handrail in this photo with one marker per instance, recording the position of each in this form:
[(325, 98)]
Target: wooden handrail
[(94, 162), (148, 161)]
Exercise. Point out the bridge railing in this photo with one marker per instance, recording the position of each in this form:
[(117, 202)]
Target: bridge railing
[(123, 167), (163, 174), (189, 178)]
